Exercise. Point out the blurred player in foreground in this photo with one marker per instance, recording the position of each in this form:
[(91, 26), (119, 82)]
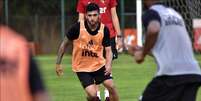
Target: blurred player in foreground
[(178, 76), (89, 38), (19, 76), (108, 17)]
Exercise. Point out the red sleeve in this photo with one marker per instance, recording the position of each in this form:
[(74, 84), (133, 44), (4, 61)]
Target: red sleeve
[(113, 3), (80, 7)]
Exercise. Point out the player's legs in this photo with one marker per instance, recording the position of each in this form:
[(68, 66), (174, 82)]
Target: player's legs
[(98, 91), (159, 89), (100, 77), (87, 81), (190, 91), (112, 90), (114, 56), (106, 93), (166, 88), (91, 93), (107, 81)]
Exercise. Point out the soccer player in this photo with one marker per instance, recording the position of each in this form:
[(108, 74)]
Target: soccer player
[(178, 75), (20, 79), (89, 38), (110, 19)]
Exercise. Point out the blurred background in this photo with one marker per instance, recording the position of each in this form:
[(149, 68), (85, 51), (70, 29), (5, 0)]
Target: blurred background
[(44, 22)]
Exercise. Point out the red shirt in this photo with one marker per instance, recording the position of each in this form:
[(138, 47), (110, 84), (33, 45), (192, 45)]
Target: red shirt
[(105, 12)]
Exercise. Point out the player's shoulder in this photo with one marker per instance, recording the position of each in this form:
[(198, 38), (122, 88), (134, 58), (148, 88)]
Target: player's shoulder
[(149, 13), (75, 26)]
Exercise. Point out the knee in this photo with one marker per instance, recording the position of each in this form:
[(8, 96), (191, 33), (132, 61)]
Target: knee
[(111, 88), (91, 91), (92, 94)]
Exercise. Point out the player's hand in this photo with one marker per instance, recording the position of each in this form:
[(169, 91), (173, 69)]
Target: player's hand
[(132, 49), (120, 41), (108, 69), (59, 70), (139, 57)]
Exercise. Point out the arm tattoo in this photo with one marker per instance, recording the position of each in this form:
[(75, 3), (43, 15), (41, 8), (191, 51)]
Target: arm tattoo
[(61, 50)]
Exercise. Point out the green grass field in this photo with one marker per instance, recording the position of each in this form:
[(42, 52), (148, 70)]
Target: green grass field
[(129, 77)]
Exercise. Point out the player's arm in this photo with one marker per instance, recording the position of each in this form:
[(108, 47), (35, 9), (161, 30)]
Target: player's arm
[(152, 24), (151, 21), (71, 35), (106, 44), (108, 64), (115, 21), (151, 37), (61, 51)]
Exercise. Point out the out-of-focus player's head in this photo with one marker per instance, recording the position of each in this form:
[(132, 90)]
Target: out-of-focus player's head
[(92, 14), (149, 3)]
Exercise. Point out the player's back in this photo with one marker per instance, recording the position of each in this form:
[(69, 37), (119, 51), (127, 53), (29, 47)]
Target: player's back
[(173, 49)]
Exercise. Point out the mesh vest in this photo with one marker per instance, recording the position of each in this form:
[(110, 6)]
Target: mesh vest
[(88, 51)]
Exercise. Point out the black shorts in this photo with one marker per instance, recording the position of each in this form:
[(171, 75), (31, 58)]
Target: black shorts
[(114, 49), (167, 88), (89, 78)]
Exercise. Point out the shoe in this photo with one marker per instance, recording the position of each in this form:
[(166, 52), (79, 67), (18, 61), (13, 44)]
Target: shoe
[(98, 99), (107, 99)]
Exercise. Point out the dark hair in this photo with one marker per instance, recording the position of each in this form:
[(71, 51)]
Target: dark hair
[(92, 7)]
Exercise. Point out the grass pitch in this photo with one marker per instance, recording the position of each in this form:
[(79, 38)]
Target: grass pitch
[(129, 77)]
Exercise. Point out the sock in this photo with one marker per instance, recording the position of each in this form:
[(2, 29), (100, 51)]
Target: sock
[(98, 94), (106, 93), (140, 98)]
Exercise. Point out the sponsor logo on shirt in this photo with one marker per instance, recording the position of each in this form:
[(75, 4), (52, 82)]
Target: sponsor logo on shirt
[(87, 50)]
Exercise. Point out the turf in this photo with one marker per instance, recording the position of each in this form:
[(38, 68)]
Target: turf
[(129, 77)]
